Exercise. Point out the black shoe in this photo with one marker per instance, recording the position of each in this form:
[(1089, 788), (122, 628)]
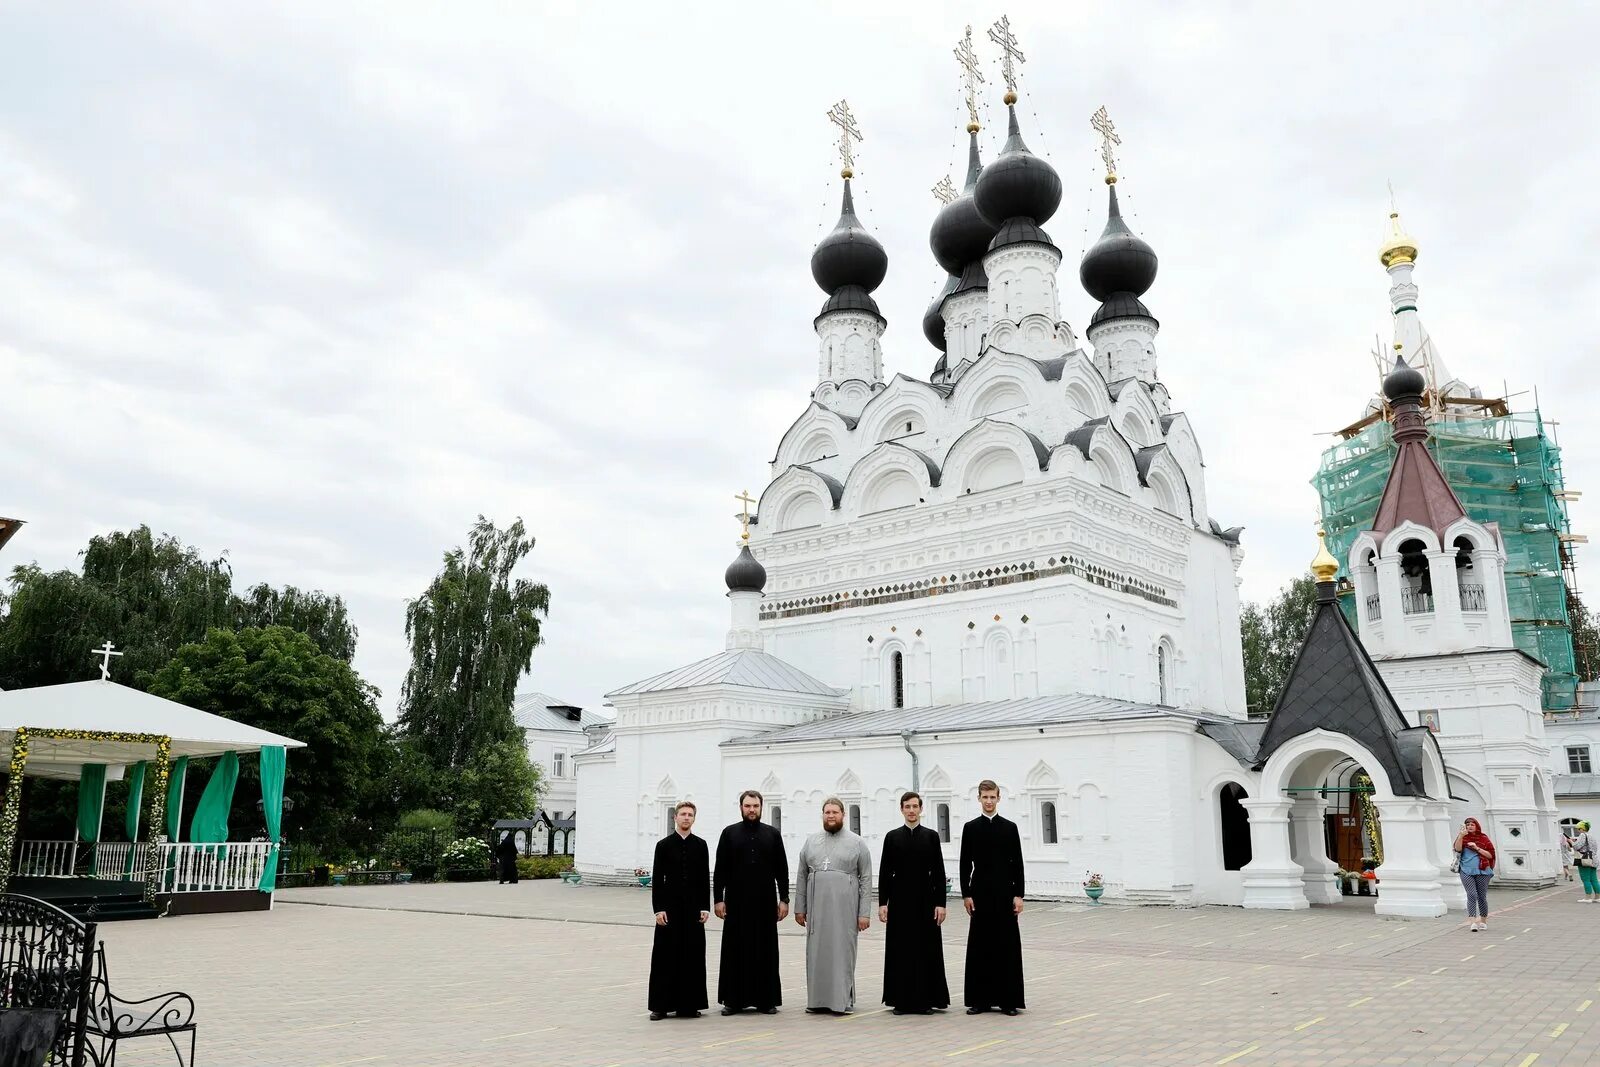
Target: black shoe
[(657, 1016), (1008, 1011), (688, 1015), (731, 1011), (976, 1011), (901, 1011), (768, 1011)]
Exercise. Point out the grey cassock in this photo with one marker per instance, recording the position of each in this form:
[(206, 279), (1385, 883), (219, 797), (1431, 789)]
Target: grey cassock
[(833, 889)]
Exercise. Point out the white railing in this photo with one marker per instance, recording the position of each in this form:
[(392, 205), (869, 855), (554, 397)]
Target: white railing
[(121, 859), (44, 859), (196, 868)]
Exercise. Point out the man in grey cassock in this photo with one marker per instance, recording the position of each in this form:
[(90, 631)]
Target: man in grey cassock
[(833, 898)]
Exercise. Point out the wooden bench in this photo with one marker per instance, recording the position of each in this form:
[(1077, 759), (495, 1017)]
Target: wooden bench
[(112, 1019)]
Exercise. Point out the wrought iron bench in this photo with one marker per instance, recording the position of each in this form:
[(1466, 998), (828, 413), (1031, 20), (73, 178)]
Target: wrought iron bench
[(44, 980), (112, 1019)]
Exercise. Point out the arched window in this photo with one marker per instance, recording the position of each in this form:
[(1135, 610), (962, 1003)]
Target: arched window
[(942, 814), (1469, 582), (1235, 827), (855, 818), (897, 667), (1163, 674), (1047, 823), (1416, 582), (776, 817)]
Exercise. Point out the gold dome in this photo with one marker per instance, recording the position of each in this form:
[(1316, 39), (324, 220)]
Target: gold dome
[(1324, 567), (1399, 247)]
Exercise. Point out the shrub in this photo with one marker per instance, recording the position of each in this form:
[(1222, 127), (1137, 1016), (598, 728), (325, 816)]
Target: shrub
[(428, 819), (411, 848), (543, 866), (466, 853)]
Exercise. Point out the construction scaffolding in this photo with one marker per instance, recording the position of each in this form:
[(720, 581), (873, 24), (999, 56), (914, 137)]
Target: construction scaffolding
[(1506, 469)]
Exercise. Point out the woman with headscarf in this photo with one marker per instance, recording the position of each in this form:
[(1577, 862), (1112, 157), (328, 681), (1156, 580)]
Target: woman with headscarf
[(506, 855), (1477, 867), (1584, 853)]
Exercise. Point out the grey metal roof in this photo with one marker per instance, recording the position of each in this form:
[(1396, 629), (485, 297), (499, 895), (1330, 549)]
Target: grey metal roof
[(541, 711), (988, 714), (1239, 739), (1577, 785), (743, 667)]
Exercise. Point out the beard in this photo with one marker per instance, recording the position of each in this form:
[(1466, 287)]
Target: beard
[(751, 818)]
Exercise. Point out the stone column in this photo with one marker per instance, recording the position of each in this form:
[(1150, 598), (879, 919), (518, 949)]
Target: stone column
[(1408, 880), (1272, 879), (1441, 855), (1366, 583), (1450, 631), (1394, 619), (1308, 827), (1491, 567)]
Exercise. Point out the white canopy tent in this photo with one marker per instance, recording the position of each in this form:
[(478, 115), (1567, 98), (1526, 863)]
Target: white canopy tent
[(106, 707)]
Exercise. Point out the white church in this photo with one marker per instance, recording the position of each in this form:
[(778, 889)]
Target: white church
[(1007, 570)]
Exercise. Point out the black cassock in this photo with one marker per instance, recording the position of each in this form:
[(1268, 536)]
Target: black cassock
[(911, 884), (752, 876), (680, 885), (991, 874), (506, 853)]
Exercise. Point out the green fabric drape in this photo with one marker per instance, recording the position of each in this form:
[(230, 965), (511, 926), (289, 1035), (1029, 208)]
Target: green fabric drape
[(272, 774), (210, 822), (91, 803), (135, 799), (180, 768), (91, 800)]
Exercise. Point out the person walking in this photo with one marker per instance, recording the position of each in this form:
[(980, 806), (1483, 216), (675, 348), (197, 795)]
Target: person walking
[(1476, 865), (1566, 857), (1583, 857), (505, 854)]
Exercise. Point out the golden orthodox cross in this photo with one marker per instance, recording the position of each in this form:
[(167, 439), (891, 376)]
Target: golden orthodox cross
[(971, 78), (1010, 55), (1101, 121), (744, 516), (849, 133)]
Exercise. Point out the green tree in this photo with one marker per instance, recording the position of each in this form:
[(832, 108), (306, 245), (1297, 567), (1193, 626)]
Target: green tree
[(1585, 638), (319, 616), (472, 634), (1272, 637), (276, 678)]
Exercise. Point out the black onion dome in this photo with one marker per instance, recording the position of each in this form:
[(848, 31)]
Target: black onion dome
[(974, 277), (1121, 306), (851, 298), (960, 233), (1404, 381), (1018, 183), (849, 255), (1119, 262), (933, 318), (745, 574)]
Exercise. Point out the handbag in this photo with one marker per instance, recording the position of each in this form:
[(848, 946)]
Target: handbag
[(1455, 864)]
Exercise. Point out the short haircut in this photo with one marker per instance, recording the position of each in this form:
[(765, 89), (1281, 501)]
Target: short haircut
[(836, 802), (752, 793), (910, 794), (988, 786), (685, 804)]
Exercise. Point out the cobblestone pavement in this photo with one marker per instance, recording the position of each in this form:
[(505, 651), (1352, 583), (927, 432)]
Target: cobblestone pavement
[(541, 972)]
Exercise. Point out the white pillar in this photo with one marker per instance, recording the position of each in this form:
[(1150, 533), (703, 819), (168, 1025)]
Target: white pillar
[(1366, 583), (1450, 632), (1308, 827), (1493, 569), (1441, 855), (1408, 881), (1389, 638), (1271, 879)]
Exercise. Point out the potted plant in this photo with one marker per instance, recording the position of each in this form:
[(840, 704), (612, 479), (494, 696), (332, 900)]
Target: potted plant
[(643, 874), (1094, 884), (337, 874)]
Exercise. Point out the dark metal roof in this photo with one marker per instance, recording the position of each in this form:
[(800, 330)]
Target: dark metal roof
[(851, 298), (848, 255), (971, 278), (541, 711), (984, 715), (1416, 490), (1019, 231), (1230, 535), (1239, 739), (745, 574), (835, 487), (8, 530), (1333, 686), (1017, 183), (1083, 436), (1121, 306), (960, 233), (933, 318)]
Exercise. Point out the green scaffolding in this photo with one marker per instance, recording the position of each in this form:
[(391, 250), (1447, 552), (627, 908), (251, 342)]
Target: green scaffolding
[(1505, 469)]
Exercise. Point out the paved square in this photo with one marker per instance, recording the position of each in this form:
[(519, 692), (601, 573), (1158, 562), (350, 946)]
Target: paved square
[(541, 972)]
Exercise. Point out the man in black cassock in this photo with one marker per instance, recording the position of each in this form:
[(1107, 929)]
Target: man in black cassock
[(911, 905), (751, 890), (680, 893), (992, 890), (506, 853)]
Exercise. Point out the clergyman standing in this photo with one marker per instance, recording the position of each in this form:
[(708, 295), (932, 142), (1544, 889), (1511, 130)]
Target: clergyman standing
[(506, 856), (911, 904), (680, 893), (751, 890), (833, 901), (992, 891)]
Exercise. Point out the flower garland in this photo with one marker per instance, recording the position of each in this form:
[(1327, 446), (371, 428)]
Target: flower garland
[(19, 761)]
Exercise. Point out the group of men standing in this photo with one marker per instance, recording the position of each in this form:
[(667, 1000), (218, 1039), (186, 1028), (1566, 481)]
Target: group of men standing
[(833, 902)]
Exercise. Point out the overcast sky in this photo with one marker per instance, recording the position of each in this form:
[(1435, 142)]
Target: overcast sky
[(318, 284)]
